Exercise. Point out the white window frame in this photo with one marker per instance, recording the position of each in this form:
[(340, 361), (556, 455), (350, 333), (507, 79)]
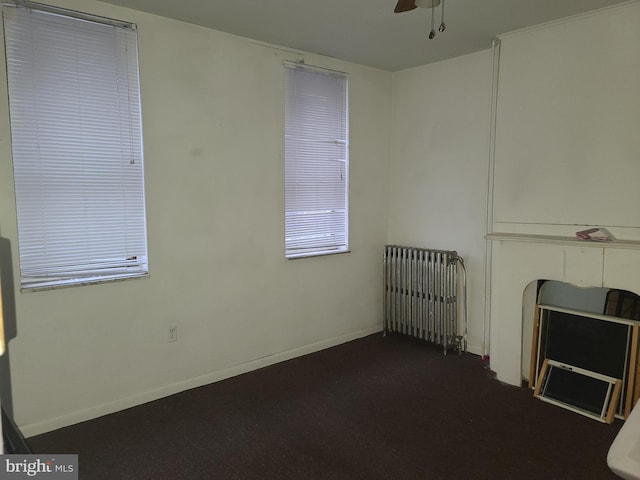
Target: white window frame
[(316, 161), (77, 146)]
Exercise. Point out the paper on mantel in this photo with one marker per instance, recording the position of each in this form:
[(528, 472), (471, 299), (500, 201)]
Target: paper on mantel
[(596, 234)]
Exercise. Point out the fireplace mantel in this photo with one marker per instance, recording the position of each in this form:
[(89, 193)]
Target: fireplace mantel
[(560, 240), (518, 259)]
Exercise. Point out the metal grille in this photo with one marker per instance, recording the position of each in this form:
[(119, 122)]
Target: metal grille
[(420, 294)]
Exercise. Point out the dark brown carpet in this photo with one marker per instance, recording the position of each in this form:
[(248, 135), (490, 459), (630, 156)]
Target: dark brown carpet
[(375, 408)]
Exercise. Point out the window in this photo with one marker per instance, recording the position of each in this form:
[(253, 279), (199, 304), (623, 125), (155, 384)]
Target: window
[(316, 162), (77, 146)]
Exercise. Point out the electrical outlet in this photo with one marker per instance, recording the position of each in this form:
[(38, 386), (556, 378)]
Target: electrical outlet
[(172, 333)]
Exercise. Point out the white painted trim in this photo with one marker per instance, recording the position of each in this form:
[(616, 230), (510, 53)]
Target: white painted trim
[(493, 109), (597, 316), (560, 240), (171, 389)]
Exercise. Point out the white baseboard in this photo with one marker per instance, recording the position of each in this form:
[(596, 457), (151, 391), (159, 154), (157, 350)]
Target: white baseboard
[(48, 425)]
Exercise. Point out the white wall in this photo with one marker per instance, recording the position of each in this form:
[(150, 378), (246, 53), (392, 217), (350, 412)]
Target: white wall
[(567, 143), (212, 108), (438, 166)]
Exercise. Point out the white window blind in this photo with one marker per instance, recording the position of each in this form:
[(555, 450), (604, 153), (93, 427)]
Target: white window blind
[(316, 161), (77, 147)]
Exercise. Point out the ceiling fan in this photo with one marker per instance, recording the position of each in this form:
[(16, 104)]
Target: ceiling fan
[(406, 5)]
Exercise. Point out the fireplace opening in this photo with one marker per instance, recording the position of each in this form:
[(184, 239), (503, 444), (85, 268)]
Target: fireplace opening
[(569, 329)]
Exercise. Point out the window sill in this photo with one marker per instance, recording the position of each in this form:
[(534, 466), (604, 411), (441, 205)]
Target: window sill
[(80, 282), (298, 256)]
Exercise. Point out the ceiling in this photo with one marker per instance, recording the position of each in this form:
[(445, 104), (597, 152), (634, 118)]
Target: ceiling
[(367, 31)]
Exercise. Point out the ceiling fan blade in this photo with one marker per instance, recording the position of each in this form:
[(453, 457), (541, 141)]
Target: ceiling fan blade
[(405, 6)]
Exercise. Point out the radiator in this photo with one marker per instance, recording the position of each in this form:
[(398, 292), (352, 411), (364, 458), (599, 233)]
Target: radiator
[(420, 290)]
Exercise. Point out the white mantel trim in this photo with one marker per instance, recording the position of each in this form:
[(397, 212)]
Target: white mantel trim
[(561, 240), (520, 259)]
